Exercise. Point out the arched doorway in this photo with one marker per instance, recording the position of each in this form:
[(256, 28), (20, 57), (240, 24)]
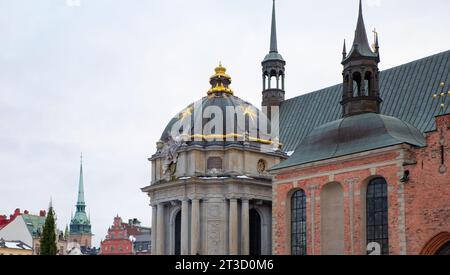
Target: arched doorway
[(438, 245), (177, 231), (255, 232)]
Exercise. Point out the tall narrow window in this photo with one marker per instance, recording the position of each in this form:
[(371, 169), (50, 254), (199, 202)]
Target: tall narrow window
[(377, 214), (298, 223)]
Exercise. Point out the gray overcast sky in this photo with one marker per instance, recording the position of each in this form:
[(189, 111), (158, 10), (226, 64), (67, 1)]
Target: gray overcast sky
[(106, 76)]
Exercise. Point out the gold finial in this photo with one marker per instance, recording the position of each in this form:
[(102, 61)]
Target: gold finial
[(220, 81), (220, 70)]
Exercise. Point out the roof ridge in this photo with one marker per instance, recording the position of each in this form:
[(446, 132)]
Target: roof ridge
[(385, 70)]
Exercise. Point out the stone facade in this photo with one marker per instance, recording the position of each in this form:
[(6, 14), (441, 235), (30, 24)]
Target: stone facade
[(214, 204), (418, 208)]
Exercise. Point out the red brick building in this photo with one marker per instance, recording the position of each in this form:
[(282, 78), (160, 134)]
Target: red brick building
[(127, 239), (366, 183), (117, 241)]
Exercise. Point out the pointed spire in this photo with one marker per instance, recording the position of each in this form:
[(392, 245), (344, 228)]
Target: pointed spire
[(273, 35), (80, 200), (360, 33), (344, 51), (360, 44)]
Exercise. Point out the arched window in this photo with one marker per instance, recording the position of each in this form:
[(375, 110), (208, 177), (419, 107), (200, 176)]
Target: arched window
[(377, 225), (298, 223), (255, 232), (357, 84)]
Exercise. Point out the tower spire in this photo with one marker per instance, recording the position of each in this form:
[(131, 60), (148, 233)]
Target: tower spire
[(360, 33), (361, 74), (273, 34), (80, 201), (344, 51), (273, 71), (361, 45)]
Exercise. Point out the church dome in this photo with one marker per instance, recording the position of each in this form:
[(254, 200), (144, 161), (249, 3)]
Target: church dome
[(214, 115), (353, 134)]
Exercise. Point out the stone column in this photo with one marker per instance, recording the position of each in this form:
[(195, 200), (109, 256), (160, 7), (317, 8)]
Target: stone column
[(160, 230), (233, 230), (185, 227), (195, 226), (154, 215), (245, 233)]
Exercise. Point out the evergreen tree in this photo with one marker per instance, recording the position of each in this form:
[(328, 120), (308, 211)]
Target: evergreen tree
[(48, 240)]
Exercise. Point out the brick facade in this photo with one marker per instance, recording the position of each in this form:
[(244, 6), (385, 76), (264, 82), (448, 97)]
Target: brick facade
[(117, 241), (418, 209)]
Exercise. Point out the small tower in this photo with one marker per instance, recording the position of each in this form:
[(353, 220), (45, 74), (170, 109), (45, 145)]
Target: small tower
[(273, 71), (80, 225), (361, 75)]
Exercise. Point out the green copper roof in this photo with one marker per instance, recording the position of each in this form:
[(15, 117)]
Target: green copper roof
[(80, 223), (80, 200), (35, 224), (406, 91), (352, 135)]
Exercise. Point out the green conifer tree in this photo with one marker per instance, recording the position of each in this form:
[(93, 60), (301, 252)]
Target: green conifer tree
[(48, 240)]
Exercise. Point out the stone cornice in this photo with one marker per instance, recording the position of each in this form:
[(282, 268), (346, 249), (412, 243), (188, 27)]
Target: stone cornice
[(229, 147)]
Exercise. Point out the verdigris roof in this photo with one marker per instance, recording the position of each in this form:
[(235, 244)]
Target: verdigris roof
[(35, 224), (351, 135), (406, 91)]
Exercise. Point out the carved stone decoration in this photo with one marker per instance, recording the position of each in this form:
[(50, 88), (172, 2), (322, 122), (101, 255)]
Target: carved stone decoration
[(169, 153), (214, 239), (261, 166)]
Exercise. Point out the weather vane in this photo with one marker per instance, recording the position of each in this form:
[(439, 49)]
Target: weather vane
[(442, 96)]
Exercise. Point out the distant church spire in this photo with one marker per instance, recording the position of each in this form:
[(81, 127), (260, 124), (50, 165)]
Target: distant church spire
[(80, 223), (80, 201), (273, 71), (361, 74)]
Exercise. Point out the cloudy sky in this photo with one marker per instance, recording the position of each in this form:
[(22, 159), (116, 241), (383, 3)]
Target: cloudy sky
[(103, 77)]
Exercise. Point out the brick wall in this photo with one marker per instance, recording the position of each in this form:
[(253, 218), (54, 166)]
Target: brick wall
[(418, 209)]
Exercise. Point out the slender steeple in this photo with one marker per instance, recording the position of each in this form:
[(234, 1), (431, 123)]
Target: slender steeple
[(361, 74), (273, 34), (344, 51), (361, 46), (273, 71), (80, 201), (80, 223), (360, 33)]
